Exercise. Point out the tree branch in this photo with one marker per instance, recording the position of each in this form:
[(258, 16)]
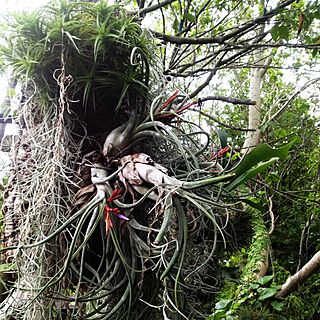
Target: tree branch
[(229, 100), (141, 4), (299, 277), (214, 70), (221, 39), (219, 122), (274, 45), (289, 101), (183, 40), (153, 7)]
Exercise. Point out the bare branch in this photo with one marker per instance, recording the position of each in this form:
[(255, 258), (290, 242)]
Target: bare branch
[(303, 242), (141, 4), (221, 39), (229, 100), (219, 122), (204, 84), (289, 101), (271, 215), (191, 24), (214, 70), (299, 277), (183, 40), (153, 7), (275, 45)]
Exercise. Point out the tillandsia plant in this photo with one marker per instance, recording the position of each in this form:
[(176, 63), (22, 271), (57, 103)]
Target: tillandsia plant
[(117, 204), (105, 51)]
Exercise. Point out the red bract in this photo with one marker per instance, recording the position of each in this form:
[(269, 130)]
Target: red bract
[(169, 100), (107, 219), (220, 153), (187, 106), (171, 115), (115, 195)]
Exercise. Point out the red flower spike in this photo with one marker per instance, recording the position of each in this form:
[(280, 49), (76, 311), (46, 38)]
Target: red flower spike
[(116, 210), (187, 106), (107, 218), (169, 100), (219, 153), (171, 115), (115, 195)]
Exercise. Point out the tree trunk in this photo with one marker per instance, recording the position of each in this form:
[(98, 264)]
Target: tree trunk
[(253, 137)]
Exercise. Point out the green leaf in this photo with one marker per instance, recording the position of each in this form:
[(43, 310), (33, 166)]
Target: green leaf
[(238, 303), (280, 133), (175, 26), (222, 304), (283, 32), (267, 293), (223, 138), (274, 32), (277, 305), (250, 174), (273, 177), (253, 204), (5, 267), (218, 314), (265, 279), (254, 286), (236, 156), (190, 17), (262, 152)]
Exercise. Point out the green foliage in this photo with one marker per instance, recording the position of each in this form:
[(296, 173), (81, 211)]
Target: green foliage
[(280, 32), (104, 48), (248, 300), (291, 185), (256, 300), (259, 245), (302, 20), (107, 52), (7, 267), (257, 161), (304, 304)]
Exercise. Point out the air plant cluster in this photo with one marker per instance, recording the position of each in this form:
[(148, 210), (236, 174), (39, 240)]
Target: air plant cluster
[(150, 216), (118, 209)]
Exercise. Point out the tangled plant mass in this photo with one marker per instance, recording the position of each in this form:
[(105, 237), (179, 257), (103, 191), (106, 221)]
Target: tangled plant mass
[(144, 236), (117, 204)]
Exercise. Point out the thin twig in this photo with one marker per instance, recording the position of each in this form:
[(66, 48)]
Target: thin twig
[(229, 126)]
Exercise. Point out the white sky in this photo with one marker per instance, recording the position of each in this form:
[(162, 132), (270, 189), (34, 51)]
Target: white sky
[(19, 5)]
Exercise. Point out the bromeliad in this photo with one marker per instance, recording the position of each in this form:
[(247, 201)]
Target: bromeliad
[(115, 195), (107, 218), (116, 211)]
